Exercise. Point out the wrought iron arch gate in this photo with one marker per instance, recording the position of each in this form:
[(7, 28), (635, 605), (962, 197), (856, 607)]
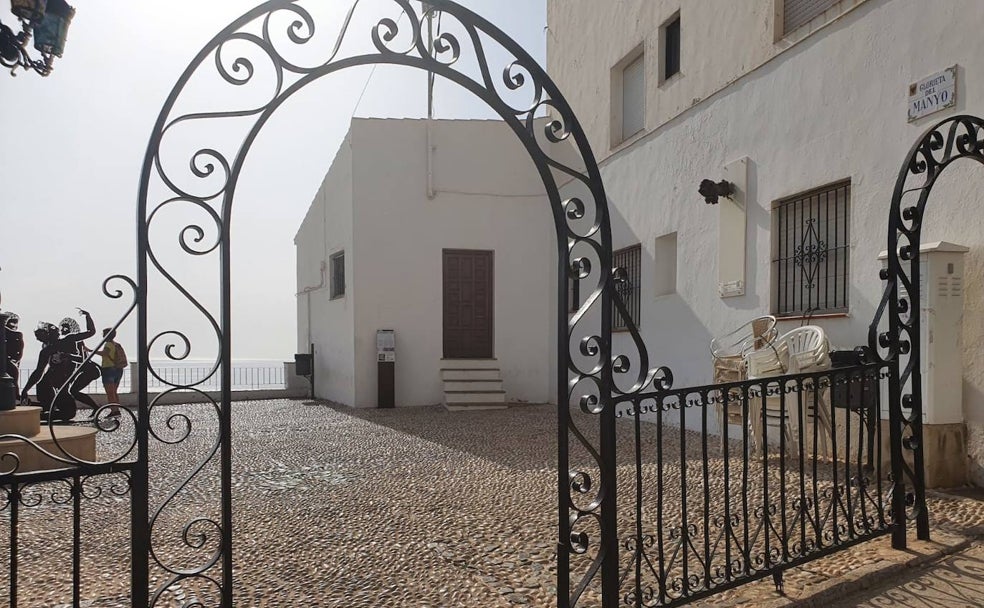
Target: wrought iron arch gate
[(268, 34), (594, 385)]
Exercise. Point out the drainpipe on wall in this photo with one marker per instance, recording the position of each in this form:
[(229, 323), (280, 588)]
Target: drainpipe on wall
[(307, 291), (430, 104)]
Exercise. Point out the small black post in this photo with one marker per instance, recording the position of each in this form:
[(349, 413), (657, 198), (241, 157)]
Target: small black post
[(386, 368)]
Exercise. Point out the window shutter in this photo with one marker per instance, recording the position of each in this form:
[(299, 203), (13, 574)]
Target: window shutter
[(634, 97), (796, 13)]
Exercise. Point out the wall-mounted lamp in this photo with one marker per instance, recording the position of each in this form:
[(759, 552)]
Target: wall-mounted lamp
[(47, 21), (711, 191)]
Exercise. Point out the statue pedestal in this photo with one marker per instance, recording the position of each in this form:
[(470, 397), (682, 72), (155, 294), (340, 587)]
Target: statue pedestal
[(24, 423)]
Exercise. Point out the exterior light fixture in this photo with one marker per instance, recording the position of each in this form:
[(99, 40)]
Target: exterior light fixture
[(711, 190), (47, 21)]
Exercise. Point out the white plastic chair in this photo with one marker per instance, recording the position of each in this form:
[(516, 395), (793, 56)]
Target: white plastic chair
[(802, 350), (729, 353)]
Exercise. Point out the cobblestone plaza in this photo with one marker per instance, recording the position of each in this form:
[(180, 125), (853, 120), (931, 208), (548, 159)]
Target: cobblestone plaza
[(351, 508)]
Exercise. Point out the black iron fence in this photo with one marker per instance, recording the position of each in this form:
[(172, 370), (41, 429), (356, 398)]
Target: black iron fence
[(244, 378), (57, 503), (799, 474)]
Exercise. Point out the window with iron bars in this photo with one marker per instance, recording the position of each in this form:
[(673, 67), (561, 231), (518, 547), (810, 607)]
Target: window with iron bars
[(811, 252), (336, 267), (628, 274)]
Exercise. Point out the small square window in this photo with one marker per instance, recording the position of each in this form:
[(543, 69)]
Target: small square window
[(336, 265), (671, 48), (665, 265)]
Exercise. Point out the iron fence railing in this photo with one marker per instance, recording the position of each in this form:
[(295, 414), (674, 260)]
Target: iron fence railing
[(799, 475), (244, 378)]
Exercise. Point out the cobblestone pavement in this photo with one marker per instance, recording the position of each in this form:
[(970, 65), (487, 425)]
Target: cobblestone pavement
[(359, 508), (954, 582)]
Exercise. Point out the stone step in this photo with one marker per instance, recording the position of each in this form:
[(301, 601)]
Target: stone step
[(474, 407), (469, 364), (22, 420), (472, 396), (472, 385), (479, 373), (73, 441)]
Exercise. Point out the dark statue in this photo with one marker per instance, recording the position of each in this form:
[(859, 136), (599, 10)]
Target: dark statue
[(62, 353)]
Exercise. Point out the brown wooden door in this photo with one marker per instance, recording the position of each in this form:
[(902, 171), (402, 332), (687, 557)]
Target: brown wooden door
[(468, 284)]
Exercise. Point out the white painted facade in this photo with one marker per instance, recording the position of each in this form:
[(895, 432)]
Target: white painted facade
[(824, 103), (374, 206)]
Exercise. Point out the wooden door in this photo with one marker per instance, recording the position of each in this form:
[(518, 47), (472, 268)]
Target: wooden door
[(468, 304)]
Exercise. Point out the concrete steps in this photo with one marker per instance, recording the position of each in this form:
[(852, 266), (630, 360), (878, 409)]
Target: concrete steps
[(25, 422), (472, 384)]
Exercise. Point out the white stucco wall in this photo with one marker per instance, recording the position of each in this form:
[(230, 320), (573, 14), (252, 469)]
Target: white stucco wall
[(328, 323), (719, 42), (832, 106), (488, 197)]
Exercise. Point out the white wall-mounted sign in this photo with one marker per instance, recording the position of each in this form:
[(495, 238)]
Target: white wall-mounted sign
[(933, 93), (385, 345)]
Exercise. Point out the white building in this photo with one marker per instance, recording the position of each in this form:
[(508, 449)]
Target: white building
[(453, 250), (802, 104)]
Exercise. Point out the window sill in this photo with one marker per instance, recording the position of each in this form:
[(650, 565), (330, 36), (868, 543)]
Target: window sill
[(829, 315), (668, 81), (339, 297), (631, 139)]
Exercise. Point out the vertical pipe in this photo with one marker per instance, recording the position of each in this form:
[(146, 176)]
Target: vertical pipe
[(705, 475), (765, 473), (684, 523), (660, 401), (745, 455), (833, 465), (803, 509), (140, 486), (727, 483), (225, 414), (783, 415), (76, 541), (14, 520), (563, 415), (637, 406)]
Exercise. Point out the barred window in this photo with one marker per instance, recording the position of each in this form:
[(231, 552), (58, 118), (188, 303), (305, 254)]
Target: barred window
[(628, 273), (336, 267), (811, 245)]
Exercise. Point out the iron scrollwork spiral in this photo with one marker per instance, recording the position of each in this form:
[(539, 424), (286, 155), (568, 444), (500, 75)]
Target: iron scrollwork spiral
[(257, 60)]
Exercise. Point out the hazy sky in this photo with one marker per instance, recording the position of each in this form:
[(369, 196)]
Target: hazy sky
[(74, 146)]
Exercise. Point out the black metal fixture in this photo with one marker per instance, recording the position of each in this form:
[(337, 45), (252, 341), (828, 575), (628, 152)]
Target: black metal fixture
[(47, 21), (711, 190)]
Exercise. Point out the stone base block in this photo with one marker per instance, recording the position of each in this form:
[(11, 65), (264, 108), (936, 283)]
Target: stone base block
[(944, 454), (73, 441), (24, 421)]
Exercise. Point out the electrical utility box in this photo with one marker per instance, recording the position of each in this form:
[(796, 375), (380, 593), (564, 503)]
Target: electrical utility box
[(941, 295)]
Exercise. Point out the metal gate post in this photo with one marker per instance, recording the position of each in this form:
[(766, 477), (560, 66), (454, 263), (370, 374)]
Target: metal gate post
[(609, 506), (895, 450)]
